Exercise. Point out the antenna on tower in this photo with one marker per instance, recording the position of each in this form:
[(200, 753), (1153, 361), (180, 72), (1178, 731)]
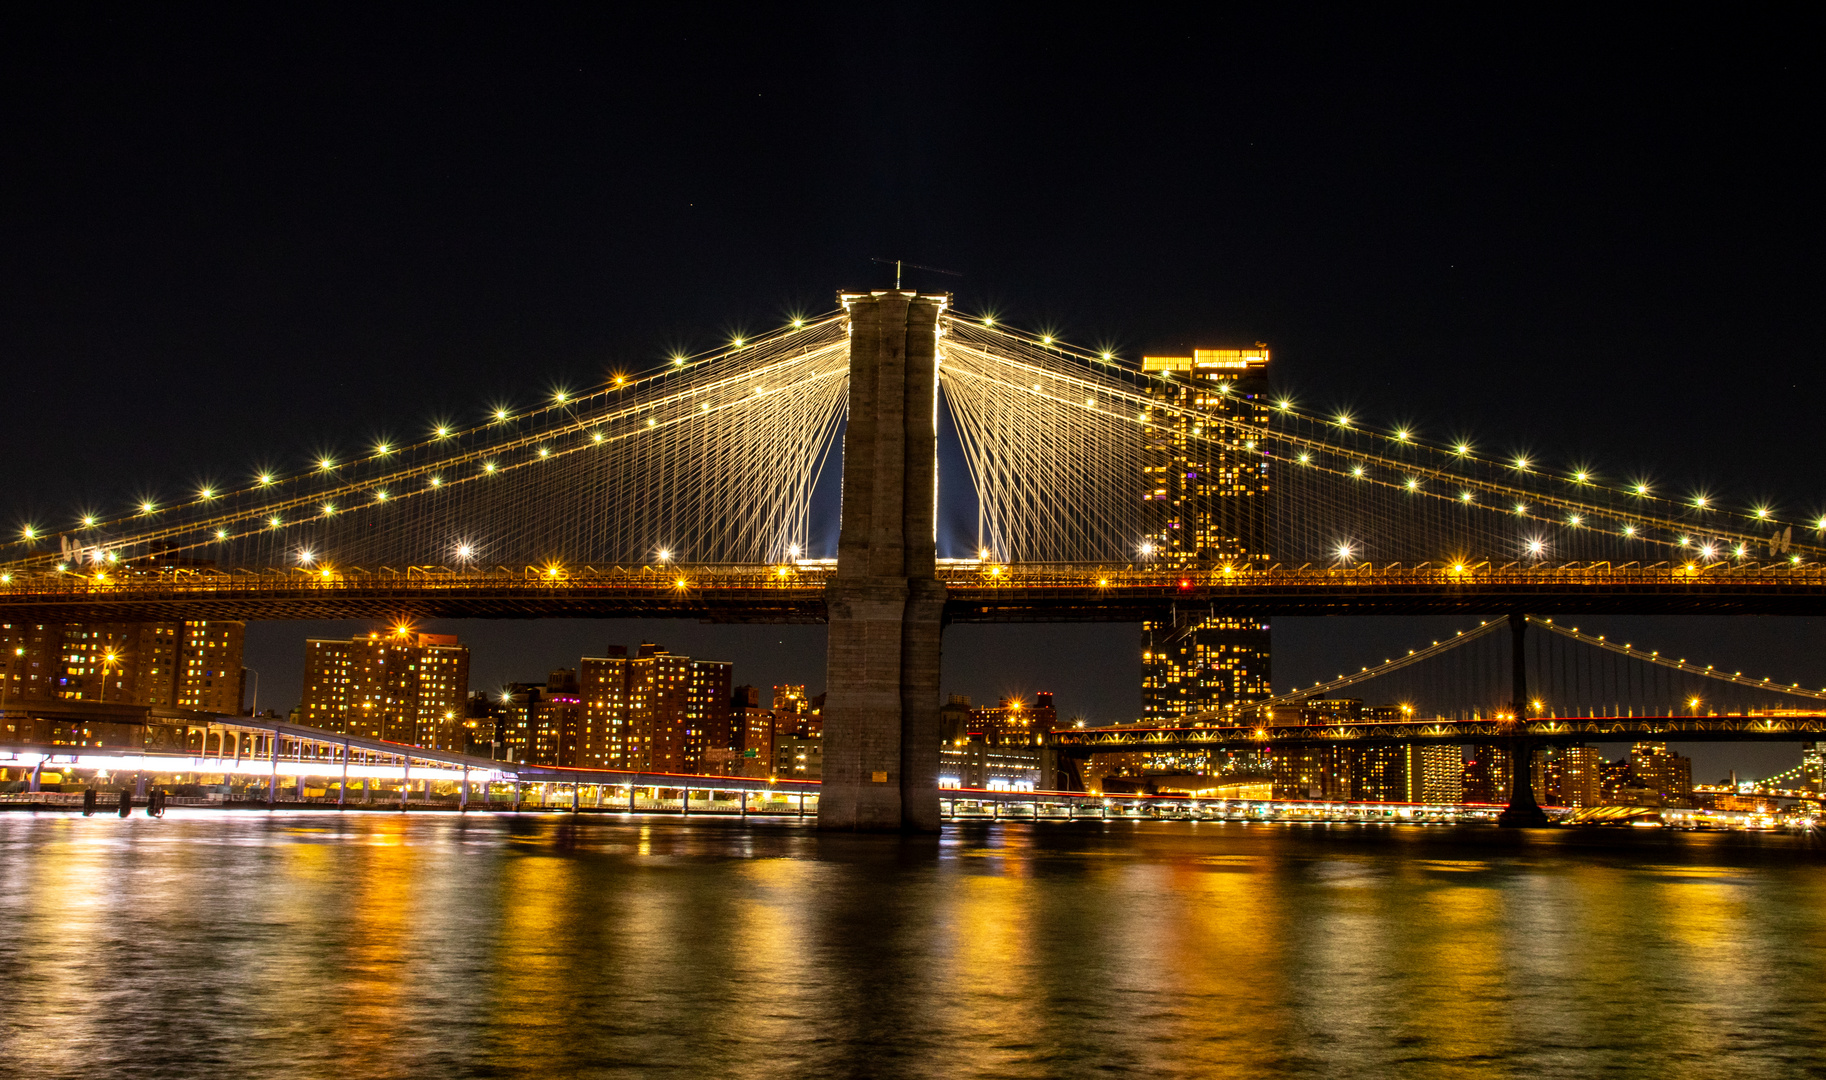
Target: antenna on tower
[(915, 266)]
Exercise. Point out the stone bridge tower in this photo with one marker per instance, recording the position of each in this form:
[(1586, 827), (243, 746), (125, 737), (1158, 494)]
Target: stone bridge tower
[(886, 603)]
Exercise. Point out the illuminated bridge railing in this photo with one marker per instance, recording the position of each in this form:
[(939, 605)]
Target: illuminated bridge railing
[(978, 592), (1787, 727), (249, 748)]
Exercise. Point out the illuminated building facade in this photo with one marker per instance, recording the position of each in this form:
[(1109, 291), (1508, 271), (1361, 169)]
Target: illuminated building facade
[(654, 711), (1208, 483), (194, 664), (403, 687), (603, 683), (1570, 776), (754, 733), (1660, 770)]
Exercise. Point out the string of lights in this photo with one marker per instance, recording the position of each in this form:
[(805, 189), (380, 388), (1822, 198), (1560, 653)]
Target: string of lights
[(1332, 489)]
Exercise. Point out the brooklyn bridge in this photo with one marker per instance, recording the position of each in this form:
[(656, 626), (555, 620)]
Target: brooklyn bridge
[(795, 477)]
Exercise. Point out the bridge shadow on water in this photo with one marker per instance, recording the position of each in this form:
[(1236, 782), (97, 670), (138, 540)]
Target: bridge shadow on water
[(226, 943)]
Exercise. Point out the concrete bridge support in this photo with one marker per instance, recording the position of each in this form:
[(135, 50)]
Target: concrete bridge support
[(1523, 812), (886, 605)]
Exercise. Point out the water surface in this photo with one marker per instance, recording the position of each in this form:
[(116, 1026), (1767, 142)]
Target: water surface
[(228, 944)]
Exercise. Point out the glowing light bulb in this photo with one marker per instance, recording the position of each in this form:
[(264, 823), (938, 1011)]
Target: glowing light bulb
[(380, 496), (597, 436), (797, 323), (464, 551), (1521, 463), (488, 466), (1700, 500), (500, 414), (1402, 435), (29, 533), (1107, 357), (664, 554), (443, 432), (89, 520), (1356, 470), (1464, 496), (1629, 530), (1046, 339), (1306, 458), (738, 343), (306, 557), (275, 521), (1642, 489), (1580, 477), (437, 481), (561, 397), (206, 493), (989, 320), (265, 478), (382, 449), (221, 534), (1521, 509), (1535, 547), (1762, 512), (1462, 449), (325, 464), (1413, 484), (1283, 404), (1344, 551), (544, 452), (329, 509), (1573, 520)]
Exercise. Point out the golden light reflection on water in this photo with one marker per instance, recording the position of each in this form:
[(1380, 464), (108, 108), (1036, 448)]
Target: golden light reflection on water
[(413, 945)]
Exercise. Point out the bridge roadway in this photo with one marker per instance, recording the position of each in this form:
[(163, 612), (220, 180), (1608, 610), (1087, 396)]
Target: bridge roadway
[(1786, 727), (976, 593)]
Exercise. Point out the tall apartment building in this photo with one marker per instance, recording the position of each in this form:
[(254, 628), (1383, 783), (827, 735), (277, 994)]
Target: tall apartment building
[(754, 731), (1013, 717), (603, 682), (1207, 480), (192, 664), (1569, 776), (1662, 771), (402, 687), (653, 712)]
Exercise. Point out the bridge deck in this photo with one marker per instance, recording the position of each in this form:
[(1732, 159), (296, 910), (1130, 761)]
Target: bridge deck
[(1015, 593), (1789, 727)]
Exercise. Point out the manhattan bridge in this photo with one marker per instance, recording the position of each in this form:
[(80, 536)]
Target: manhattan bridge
[(692, 491)]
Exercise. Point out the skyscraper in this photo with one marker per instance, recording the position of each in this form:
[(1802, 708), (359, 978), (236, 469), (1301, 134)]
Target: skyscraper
[(1208, 483)]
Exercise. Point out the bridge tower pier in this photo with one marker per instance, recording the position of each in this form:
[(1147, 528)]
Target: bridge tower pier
[(1522, 812), (886, 605)]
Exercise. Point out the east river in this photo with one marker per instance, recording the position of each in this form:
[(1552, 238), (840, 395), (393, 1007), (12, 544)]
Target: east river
[(245, 944)]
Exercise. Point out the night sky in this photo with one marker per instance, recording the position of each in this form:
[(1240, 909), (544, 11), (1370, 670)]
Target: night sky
[(242, 237)]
